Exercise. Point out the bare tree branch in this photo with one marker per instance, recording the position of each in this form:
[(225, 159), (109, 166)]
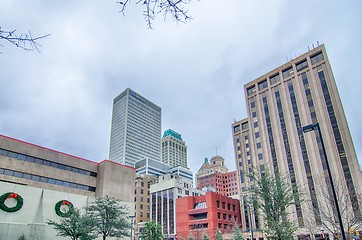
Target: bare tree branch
[(169, 8), (24, 41)]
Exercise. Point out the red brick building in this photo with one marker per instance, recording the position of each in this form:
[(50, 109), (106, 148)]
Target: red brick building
[(201, 215), (215, 175)]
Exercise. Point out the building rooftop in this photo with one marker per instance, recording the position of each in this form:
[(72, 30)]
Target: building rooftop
[(172, 133)]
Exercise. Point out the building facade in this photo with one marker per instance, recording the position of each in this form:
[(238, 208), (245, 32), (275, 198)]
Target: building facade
[(43, 177), (174, 150), (271, 138), (215, 176), (163, 201), (142, 200), (135, 129), (205, 215)]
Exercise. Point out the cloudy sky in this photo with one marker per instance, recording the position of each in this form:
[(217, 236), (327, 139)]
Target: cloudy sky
[(62, 98)]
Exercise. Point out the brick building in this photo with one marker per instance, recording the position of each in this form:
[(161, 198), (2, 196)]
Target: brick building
[(215, 175), (205, 215)]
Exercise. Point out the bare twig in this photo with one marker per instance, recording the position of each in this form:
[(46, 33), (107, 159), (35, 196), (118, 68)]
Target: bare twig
[(173, 8), (24, 41)]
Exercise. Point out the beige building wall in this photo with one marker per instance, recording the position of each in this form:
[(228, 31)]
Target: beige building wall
[(279, 104), (43, 176)]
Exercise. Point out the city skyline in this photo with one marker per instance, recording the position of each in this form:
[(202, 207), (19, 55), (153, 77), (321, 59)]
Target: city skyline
[(63, 99)]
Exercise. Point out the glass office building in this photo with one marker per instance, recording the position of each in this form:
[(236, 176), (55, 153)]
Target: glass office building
[(135, 130)]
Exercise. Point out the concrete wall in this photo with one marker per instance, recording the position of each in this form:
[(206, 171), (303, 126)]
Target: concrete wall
[(38, 208)]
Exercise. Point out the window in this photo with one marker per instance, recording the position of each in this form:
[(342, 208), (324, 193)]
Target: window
[(251, 90), (258, 145), (301, 65), (218, 204), (253, 114), (288, 72), (262, 85), (257, 134), (317, 58), (223, 205), (274, 79), (255, 124), (236, 129), (245, 126), (260, 156)]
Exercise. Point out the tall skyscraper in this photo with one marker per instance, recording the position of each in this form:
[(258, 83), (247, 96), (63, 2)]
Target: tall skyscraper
[(279, 104), (174, 150), (136, 129)]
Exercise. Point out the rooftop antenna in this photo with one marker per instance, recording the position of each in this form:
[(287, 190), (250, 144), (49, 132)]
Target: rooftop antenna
[(318, 43), (313, 45), (308, 48)]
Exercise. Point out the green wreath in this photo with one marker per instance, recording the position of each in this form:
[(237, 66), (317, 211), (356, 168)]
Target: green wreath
[(17, 197), (61, 203)]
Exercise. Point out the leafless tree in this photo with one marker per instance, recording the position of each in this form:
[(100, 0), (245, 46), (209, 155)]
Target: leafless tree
[(23, 40), (168, 8), (327, 208)]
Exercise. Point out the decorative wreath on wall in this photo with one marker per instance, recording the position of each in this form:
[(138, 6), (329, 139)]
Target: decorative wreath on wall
[(17, 197), (62, 208)]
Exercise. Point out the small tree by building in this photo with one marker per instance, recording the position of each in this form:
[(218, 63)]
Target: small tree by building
[(75, 225), (152, 231), (218, 235), (272, 195), (237, 234), (109, 217)]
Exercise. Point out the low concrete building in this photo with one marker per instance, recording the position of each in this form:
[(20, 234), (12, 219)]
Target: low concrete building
[(43, 177)]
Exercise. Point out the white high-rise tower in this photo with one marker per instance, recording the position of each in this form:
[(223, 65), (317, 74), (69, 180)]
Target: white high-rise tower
[(136, 129)]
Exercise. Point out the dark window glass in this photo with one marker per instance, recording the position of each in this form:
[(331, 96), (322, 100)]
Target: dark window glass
[(29, 159), (53, 164), (46, 163), (3, 152), (288, 72), (9, 172), (35, 178), (245, 126), (21, 157), (253, 114), (316, 58), (236, 129), (262, 85), (27, 176), (251, 90), (38, 161), (18, 174), (1, 171), (302, 65), (44, 179), (274, 79), (255, 124), (51, 181), (12, 154), (257, 134)]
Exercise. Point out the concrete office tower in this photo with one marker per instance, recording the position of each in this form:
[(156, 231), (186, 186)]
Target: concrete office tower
[(279, 104), (174, 150), (136, 129)]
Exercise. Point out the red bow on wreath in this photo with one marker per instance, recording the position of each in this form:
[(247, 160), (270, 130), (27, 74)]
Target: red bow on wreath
[(13, 195), (65, 203)]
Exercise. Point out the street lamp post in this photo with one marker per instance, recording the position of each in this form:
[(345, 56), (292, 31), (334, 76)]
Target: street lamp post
[(313, 127), (250, 224), (132, 217)]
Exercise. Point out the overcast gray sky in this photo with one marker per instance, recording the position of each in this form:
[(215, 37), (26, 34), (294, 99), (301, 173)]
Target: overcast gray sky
[(62, 98)]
